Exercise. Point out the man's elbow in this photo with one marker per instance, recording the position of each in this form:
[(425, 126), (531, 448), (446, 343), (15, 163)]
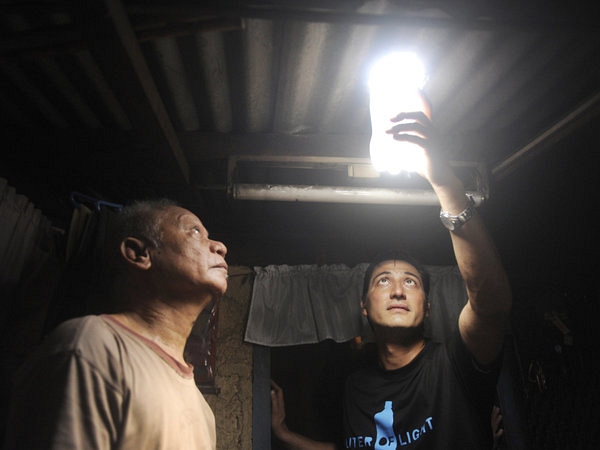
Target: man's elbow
[(492, 298)]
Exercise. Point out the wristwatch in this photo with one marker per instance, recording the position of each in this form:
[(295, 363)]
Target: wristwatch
[(453, 223)]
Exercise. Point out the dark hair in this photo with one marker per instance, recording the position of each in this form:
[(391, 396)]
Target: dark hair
[(395, 255)]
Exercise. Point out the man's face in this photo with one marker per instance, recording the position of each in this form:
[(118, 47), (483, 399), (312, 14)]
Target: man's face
[(396, 297), (187, 262)]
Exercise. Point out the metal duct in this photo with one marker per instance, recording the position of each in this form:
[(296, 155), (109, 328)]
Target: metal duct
[(338, 194)]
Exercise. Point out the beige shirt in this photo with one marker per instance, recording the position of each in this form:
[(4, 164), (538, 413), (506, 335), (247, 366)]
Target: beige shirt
[(98, 385)]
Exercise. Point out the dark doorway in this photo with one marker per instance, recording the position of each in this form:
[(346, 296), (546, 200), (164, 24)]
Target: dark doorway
[(312, 378)]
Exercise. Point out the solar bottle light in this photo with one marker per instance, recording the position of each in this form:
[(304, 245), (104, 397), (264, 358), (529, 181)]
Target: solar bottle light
[(395, 84)]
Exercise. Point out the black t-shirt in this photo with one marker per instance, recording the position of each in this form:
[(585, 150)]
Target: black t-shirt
[(441, 400)]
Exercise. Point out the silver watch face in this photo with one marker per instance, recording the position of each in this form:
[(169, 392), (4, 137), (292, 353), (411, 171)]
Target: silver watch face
[(455, 222), (450, 222)]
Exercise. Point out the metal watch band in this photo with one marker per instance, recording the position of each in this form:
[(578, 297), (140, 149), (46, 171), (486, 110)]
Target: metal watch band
[(455, 222)]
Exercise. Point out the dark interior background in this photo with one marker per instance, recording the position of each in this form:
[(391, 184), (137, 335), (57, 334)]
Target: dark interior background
[(122, 100)]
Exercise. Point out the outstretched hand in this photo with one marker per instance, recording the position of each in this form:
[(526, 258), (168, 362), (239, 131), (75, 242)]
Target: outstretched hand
[(277, 409), (413, 127), (288, 438), (417, 128), (497, 428)]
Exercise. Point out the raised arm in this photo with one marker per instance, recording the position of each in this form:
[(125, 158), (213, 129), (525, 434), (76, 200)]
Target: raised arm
[(484, 318), (290, 439)]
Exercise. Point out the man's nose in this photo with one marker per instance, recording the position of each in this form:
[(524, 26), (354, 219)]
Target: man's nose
[(397, 290), (219, 247)]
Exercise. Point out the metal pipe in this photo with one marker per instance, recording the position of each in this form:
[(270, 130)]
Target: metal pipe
[(575, 118), (339, 194)]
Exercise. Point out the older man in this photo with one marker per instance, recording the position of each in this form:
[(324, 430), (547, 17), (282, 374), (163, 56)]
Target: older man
[(120, 380)]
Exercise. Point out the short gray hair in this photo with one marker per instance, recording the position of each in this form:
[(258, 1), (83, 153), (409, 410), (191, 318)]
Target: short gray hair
[(140, 220)]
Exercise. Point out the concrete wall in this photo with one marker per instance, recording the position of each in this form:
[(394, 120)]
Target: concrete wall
[(233, 404)]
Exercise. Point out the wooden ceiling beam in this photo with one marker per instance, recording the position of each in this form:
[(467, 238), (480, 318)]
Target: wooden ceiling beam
[(115, 47)]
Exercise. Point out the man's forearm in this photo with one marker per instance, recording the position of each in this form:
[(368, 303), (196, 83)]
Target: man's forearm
[(476, 255)]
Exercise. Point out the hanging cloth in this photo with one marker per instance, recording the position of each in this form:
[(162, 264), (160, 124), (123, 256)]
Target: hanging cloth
[(306, 304), (82, 288)]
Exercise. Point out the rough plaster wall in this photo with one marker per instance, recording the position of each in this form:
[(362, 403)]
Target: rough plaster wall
[(233, 405)]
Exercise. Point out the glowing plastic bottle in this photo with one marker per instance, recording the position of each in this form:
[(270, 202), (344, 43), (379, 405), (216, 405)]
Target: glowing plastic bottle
[(395, 85)]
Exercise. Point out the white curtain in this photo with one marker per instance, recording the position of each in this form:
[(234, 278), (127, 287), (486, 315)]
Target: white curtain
[(306, 304)]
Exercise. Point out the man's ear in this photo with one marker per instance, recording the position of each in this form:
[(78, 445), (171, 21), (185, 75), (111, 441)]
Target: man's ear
[(363, 308), (427, 308), (135, 252)]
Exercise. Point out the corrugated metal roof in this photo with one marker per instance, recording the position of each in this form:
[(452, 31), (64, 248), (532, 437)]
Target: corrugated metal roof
[(177, 87)]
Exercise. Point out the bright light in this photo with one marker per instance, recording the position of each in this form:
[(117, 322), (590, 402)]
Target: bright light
[(395, 84)]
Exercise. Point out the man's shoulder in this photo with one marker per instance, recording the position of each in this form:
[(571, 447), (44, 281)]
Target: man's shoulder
[(85, 342), (87, 335), (431, 354), (72, 330)]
